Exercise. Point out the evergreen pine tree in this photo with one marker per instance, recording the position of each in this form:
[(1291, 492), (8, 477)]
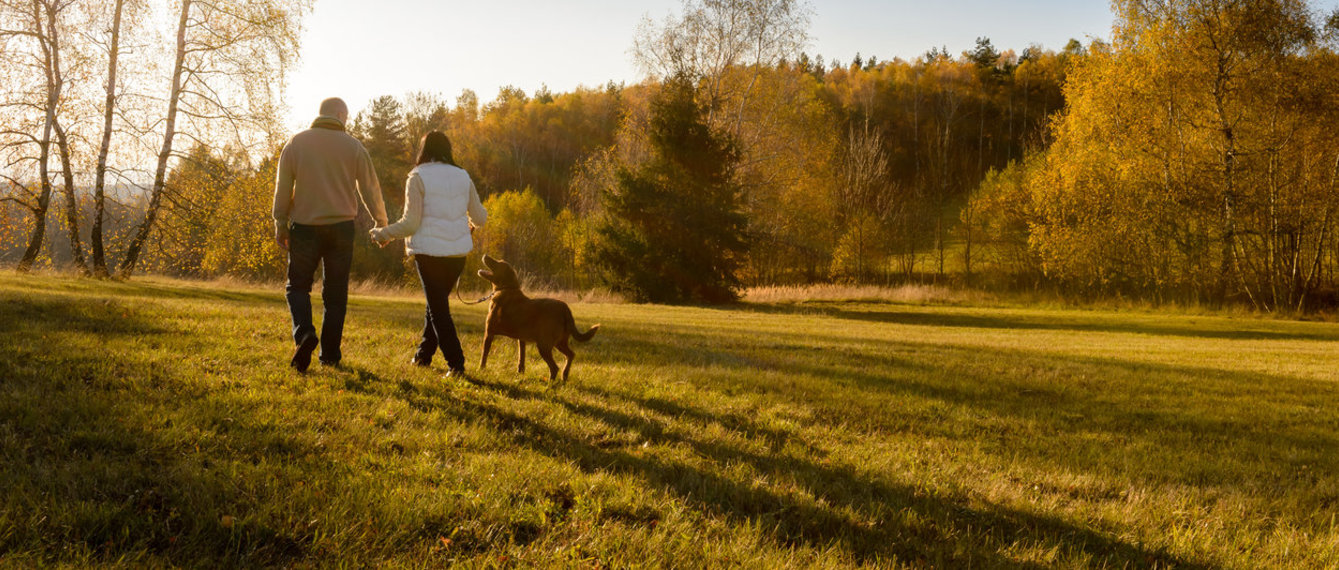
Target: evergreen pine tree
[(382, 132), (675, 232), (381, 128)]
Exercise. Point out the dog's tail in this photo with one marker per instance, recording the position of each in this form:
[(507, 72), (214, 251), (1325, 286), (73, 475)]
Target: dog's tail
[(576, 333)]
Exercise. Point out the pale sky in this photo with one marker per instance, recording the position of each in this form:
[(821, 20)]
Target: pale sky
[(361, 49)]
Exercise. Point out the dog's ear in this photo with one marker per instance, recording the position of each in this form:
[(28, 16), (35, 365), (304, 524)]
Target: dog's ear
[(486, 274)]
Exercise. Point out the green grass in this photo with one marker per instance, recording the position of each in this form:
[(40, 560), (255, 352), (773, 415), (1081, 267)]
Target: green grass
[(155, 423)]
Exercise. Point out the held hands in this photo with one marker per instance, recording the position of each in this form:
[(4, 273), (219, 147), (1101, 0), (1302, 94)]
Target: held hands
[(378, 237)]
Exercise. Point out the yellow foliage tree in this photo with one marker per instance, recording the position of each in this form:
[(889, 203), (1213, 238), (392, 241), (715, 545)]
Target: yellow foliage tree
[(241, 241), (521, 231), (1189, 161)]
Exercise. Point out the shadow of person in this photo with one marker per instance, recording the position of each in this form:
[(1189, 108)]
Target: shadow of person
[(1076, 321), (872, 520)]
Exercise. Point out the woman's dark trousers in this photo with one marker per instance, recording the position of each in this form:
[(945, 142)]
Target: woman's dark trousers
[(439, 275)]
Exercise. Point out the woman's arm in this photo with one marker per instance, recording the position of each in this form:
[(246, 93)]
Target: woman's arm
[(413, 212)]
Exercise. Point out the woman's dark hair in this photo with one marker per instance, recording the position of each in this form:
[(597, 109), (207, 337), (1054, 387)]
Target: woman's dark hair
[(435, 148)]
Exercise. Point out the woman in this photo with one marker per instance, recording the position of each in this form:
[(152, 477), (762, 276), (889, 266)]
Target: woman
[(438, 198)]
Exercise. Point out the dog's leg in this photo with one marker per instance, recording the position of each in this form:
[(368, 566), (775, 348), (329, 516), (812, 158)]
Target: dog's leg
[(488, 344), (546, 352), (520, 354), (567, 351)]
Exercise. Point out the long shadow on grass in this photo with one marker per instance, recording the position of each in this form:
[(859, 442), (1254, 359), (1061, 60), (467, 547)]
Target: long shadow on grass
[(1078, 322), (939, 530), (143, 289), (86, 474), (1195, 426)]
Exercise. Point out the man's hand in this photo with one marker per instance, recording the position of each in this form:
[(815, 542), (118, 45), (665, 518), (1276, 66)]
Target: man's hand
[(281, 238)]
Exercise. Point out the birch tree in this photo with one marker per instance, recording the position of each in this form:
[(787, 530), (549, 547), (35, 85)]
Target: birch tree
[(227, 56), (51, 40), (109, 113), (711, 37), (35, 29), (23, 151)]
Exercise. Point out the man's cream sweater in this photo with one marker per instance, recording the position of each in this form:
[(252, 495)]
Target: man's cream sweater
[(321, 173)]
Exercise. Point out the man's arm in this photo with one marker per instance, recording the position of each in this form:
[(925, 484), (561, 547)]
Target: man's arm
[(370, 189), (283, 197)]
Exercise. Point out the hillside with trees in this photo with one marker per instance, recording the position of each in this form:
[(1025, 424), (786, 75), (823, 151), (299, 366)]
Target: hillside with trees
[(1190, 157)]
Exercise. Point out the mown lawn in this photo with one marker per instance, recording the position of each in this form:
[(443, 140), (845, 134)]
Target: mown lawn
[(155, 423)]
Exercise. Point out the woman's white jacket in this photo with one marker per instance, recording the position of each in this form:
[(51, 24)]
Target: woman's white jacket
[(440, 204)]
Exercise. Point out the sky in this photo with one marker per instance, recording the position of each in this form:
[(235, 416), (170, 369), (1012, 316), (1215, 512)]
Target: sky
[(360, 49)]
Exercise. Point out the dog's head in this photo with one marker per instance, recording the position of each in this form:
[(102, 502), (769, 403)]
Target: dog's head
[(499, 273)]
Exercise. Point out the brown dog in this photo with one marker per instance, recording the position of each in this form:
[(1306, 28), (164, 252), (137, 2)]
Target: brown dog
[(546, 322)]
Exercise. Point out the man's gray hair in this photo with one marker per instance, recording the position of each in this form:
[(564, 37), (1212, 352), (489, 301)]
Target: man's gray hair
[(334, 107)]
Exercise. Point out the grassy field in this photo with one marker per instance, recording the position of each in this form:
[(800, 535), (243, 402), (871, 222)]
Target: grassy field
[(155, 423)]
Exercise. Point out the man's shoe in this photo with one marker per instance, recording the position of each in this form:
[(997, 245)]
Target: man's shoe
[(330, 363), (302, 355), (416, 361), (458, 373)]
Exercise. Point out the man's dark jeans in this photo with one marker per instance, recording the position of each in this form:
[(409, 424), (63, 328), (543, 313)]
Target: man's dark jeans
[(439, 276), (330, 246)]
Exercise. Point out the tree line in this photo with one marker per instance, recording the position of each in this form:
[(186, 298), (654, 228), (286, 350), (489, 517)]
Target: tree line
[(1186, 158)]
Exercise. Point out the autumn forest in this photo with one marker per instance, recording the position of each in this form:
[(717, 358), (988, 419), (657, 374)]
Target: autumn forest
[(1192, 156)]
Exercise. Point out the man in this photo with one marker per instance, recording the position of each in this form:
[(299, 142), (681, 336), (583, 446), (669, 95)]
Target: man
[(322, 171)]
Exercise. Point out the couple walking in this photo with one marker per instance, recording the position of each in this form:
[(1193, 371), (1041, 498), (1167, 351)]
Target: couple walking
[(322, 172)]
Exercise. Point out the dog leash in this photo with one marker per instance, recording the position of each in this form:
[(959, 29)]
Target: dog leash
[(462, 274), (481, 299)]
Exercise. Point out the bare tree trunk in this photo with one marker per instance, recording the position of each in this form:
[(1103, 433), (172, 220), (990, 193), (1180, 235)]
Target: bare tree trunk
[(941, 201), (44, 152), (980, 170), (100, 180), (160, 175), (43, 204), (1027, 85), (918, 180), (55, 87), (1230, 268), (1009, 90), (1272, 254), (71, 201), (939, 243), (967, 218), (948, 112), (1221, 89)]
